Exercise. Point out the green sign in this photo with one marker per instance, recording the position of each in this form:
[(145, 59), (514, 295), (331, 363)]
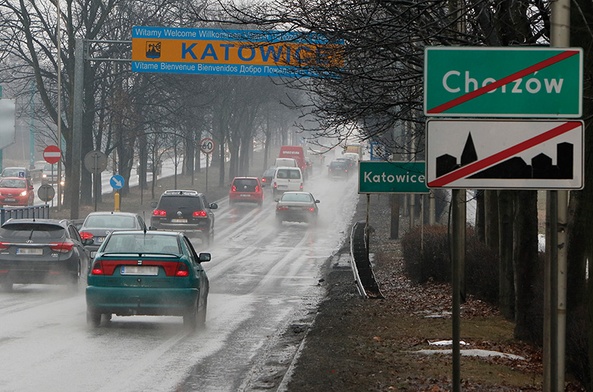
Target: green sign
[(392, 177), (503, 82)]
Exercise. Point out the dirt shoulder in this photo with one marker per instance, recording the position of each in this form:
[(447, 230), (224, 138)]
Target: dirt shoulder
[(360, 344)]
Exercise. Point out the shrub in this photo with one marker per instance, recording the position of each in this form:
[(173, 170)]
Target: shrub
[(427, 251)]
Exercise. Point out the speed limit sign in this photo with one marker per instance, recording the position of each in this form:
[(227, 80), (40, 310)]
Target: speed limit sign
[(207, 145)]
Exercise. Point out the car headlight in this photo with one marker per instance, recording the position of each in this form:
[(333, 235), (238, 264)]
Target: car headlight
[(23, 193)]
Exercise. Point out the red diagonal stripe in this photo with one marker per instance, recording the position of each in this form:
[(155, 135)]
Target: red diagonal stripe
[(475, 167), (501, 82)]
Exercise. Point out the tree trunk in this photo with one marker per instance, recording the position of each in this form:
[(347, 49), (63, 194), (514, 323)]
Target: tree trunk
[(527, 267)]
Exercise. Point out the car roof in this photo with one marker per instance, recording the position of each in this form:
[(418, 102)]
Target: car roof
[(245, 178), (61, 222), (120, 213), (151, 232), (181, 192)]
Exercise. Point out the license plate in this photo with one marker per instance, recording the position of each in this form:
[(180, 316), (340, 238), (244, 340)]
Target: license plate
[(9, 199), (93, 253), (29, 251), (245, 195), (139, 270), (179, 220), (282, 186), (100, 239)]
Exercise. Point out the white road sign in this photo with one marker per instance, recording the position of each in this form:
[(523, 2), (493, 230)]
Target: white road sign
[(504, 154)]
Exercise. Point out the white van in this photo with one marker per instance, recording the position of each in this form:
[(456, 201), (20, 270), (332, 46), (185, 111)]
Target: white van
[(286, 179), (287, 162)]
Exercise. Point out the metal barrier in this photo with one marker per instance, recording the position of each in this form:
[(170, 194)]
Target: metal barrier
[(24, 212), (361, 263)]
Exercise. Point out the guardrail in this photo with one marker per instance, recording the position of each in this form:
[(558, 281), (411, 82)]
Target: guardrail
[(361, 263), (24, 212)]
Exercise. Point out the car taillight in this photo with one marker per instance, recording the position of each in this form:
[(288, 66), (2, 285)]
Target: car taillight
[(97, 268), (281, 208), (275, 185), (199, 214), (182, 270), (233, 188), (4, 245), (61, 247), (159, 213), (301, 187), (311, 209), (257, 189), (85, 235)]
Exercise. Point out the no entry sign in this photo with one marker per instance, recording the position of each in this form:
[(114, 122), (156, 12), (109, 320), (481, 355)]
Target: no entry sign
[(52, 154)]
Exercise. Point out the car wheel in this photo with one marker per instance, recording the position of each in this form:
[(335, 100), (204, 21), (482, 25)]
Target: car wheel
[(74, 282), (93, 319), (190, 318), (202, 314)]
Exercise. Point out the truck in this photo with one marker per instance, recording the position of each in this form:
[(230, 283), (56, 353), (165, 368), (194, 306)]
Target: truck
[(298, 154), (356, 148)]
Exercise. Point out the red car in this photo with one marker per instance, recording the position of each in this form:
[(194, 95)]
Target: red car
[(16, 191), (246, 189)]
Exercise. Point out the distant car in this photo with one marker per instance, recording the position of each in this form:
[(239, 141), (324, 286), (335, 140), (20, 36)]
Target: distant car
[(266, 178), (297, 207), (97, 225), (338, 169), (50, 174), (286, 179), (148, 273), (246, 189), (16, 191), (46, 251), (351, 163), (187, 211)]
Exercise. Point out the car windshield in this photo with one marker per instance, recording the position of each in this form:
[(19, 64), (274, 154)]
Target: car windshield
[(110, 222), (31, 231), (12, 183), (338, 164), (141, 243), (299, 197), (13, 172)]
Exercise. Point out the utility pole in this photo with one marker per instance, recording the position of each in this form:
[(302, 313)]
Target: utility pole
[(556, 256)]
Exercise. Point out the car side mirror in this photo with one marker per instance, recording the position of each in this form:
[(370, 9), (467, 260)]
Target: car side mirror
[(153, 204), (204, 257), (213, 206), (317, 201)]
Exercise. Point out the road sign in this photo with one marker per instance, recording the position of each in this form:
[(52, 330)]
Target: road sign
[(46, 192), (504, 154), (52, 154), (117, 181), (95, 161), (231, 52), (532, 82), (391, 177), (207, 145)]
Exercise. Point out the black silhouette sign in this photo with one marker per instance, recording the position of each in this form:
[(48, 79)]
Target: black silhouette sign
[(505, 154)]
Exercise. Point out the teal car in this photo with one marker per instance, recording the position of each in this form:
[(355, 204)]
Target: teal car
[(147, 273)]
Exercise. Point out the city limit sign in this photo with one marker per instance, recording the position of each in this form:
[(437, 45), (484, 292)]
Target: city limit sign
[(534, 82), (392, 177)]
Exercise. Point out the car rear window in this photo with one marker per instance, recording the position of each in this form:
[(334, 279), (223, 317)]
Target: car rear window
[(31, 231), (110, 222), (181, 202), (288, 173), (247, 184), (141, 243)]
